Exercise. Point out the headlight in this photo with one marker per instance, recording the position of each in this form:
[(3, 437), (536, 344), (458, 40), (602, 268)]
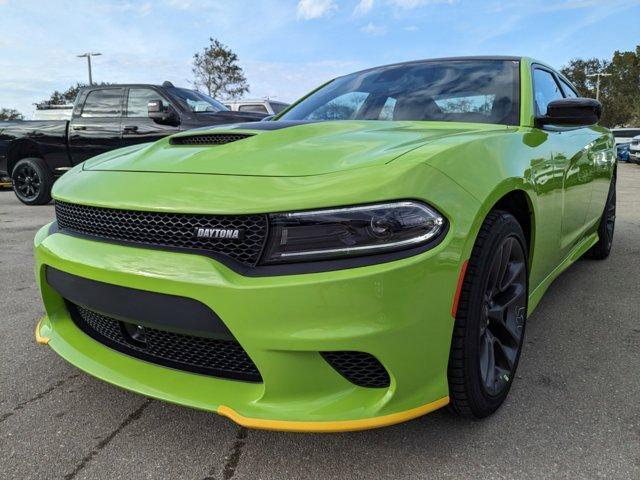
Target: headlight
[(350, 231)]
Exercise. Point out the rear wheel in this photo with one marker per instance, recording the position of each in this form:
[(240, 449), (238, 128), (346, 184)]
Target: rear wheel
[(32, 181), (602, 249), (491, 317)]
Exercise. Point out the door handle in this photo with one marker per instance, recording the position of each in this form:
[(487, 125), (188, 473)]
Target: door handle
[(130, 129), (79, 127)]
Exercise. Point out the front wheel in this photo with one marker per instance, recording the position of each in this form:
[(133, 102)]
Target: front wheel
[(490, 319), (32, 181)]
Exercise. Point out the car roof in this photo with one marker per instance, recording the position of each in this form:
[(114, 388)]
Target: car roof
[(447, 59)]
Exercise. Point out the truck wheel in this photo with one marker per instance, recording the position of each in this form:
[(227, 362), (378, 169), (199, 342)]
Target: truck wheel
[(602, 249), (490, 319), (32, 181)]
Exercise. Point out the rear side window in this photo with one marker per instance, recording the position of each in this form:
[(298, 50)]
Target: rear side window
[(568, 90), (253, 108), (545, 90), (138, 100), (103, 103)]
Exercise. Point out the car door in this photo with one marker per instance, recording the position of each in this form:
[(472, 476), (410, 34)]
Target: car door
[(571, 159), (137, 127), (96, 125)]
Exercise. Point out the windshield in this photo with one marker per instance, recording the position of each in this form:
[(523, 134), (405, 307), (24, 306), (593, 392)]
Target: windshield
[(195, 101), (627, 133), (479, 91)]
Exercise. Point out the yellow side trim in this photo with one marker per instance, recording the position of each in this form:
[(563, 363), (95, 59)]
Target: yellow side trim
[(40, 339), (332, 426)]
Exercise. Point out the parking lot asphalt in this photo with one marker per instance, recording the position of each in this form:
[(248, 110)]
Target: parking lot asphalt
[(573, 412)]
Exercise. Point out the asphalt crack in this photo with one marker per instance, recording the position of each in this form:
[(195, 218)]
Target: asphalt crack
[(233, 458), (37, 397), (236, 452), (135, 415)]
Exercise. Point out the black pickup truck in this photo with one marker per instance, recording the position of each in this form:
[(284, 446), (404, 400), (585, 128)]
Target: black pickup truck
[(34, 153)]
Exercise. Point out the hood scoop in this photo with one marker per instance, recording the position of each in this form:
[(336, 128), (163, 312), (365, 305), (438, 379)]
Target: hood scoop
[(209, 138)]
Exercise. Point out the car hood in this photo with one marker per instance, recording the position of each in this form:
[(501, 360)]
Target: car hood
[(286, 149)]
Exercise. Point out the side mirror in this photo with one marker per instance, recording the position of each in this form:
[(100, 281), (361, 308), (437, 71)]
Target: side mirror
[(161, 113), (571, 112), (267, 118)]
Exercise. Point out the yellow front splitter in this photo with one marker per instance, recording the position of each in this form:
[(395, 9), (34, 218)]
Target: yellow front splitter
[(332, 426)]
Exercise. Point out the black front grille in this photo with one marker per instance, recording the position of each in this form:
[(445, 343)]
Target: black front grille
[(209, 356), (174, 230), (209, 139), (360, 368)]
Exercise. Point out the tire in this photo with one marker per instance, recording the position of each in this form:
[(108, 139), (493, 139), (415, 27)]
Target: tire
[(491, 317), (32, 181), (606, 227)]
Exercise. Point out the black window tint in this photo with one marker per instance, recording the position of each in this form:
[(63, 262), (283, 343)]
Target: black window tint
[(545, 90), (103, 103), (138, 101), (253, 108), (568, 90)]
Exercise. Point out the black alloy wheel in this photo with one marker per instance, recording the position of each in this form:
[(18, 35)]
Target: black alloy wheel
[(27, 182), (606, 228), (502, 325)]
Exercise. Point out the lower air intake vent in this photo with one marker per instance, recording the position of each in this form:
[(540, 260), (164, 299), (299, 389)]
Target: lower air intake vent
[(208, 356), (209, 138), (359, 368)]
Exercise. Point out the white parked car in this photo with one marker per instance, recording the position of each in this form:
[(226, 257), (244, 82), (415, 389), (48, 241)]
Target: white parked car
[(264, 105), (53, 112)]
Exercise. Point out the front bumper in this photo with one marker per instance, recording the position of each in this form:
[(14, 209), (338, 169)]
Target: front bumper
[(398, 311)]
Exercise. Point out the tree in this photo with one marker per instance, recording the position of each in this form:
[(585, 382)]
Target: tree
[(623, 89), (68, 96), (10, 114), (216, 70), (619, 93)]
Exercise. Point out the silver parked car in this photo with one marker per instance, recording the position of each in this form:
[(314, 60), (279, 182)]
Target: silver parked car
[(264, 105)]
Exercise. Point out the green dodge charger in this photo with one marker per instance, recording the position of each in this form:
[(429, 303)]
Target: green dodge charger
[(369, 255)]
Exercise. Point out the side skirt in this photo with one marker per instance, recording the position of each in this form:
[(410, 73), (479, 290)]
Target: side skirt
[(578, 251)]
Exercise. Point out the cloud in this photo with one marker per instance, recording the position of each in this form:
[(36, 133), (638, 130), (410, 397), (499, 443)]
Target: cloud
[(288, 81), (372, 29), (310, 9), (410, 4), (410, 28), (363, 7)]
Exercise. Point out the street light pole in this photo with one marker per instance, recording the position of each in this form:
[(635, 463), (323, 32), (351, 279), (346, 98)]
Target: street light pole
[(598, 76), (88, 56)]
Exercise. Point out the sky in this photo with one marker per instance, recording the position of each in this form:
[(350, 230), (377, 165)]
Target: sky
[(287, 47)]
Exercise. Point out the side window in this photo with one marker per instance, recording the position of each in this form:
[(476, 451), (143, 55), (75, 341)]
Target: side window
[(253, 108), (138, 101), (568, 90), (103, 103), (545, 90), (343, 107)]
